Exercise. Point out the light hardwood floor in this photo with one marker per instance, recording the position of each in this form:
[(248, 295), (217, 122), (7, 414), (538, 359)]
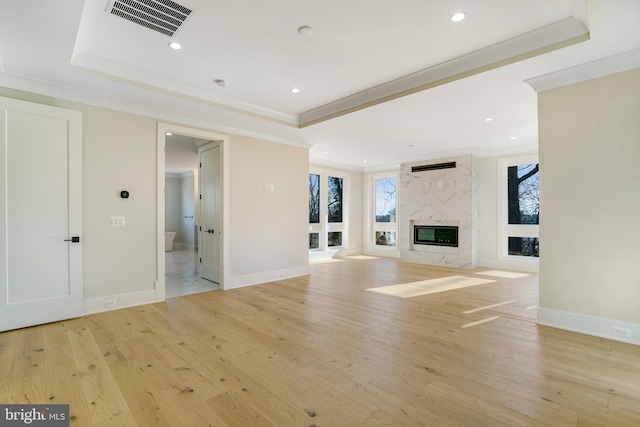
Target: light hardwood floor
[(322, 350)]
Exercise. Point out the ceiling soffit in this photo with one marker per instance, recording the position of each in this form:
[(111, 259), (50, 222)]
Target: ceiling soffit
[(552, 37), (539, 41)]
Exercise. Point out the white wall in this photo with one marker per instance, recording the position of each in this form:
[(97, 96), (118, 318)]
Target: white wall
[(172, 205), (268, 229), (187, 212), (118, 154), (179, 209), (590, 203)]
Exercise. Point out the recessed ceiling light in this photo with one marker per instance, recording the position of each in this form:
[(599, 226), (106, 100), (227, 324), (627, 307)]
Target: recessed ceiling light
[(458, 16), (364, 161), (488, 119), (513, 137), (220, 82), (305, 30), (325, 152), (175, 45), (168, 133), (295, 90)]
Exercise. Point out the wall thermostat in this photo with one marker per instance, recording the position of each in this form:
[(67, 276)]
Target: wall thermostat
[(124, 194)]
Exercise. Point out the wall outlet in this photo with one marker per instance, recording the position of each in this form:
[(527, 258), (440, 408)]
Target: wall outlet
[(110, 303), (621, 332)]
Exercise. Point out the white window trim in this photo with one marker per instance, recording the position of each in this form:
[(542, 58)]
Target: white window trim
[(370, 224), (506, 230), (324, 226)]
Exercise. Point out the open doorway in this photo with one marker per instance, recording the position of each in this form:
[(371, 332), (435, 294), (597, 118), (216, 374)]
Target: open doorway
[(202, 139), (182, 216)]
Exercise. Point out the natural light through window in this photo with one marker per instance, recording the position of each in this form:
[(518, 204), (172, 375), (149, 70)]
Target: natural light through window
[(425, 287), (327, 202), (520, 212), (384, 211), (503, 274)]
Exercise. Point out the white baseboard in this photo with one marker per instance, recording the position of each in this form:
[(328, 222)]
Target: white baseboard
[(589, 325), (115, 302), (390, 252), (322, 255), (348, 252), (507, 264), (265, 277)]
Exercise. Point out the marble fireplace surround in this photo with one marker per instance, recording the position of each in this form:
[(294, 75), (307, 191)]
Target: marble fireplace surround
[(440, 197)]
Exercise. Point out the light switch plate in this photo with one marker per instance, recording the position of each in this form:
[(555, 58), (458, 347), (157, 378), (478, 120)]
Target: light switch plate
[(117, 221)]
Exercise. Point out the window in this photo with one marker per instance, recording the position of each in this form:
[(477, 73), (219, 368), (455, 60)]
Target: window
[(335, 199), (326, 220), (522, 190), (521, 208), (384, 210), (314, 198), (314, 241)]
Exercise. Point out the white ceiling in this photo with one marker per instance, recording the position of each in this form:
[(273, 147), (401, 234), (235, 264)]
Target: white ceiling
[(181, 153), (441, 79)]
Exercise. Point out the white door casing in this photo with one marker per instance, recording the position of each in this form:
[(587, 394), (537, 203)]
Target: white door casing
[(40, 212), (210, 212), (222, 141)]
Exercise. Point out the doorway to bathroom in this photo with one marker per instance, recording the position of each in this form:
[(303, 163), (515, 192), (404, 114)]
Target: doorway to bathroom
[(182, 217)]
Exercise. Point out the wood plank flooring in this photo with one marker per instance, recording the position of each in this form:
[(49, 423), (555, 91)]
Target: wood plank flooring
[(322, 350)]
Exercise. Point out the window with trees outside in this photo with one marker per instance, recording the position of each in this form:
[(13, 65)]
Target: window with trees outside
[(384, 200), (521, 230), (314, 211), (326, 211)]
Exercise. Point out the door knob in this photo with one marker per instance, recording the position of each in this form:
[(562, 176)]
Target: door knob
[(210, 231)]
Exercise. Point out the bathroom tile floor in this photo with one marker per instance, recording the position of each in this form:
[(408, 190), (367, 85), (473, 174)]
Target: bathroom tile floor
[(181, 276)]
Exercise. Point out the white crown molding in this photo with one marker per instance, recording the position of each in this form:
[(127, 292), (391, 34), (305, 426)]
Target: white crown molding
[(543, 40), (473, 151), (105, 68), (314, 161), (507, 151), (158, 112), (591, 70)]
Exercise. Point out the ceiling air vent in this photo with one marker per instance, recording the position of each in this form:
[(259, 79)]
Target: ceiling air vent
[(433, 167), (163, 16)]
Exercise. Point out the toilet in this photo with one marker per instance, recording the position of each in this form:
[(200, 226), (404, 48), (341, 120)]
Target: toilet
[(168, 240)]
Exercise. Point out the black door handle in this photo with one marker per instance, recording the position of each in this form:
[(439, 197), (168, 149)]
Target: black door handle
[(74, 239), (210, 231)]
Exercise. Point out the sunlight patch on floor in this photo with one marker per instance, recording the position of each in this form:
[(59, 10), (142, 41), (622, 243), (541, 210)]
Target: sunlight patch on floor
[(479, 322), (424, 287), (486, 307), (503, 274), (361, 257)]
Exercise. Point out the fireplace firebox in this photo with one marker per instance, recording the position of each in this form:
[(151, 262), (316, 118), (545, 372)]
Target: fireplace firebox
[(438, 235)]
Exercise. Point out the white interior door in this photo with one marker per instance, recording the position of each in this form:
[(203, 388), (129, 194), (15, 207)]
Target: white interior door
[(40, 214), (210, 178)]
